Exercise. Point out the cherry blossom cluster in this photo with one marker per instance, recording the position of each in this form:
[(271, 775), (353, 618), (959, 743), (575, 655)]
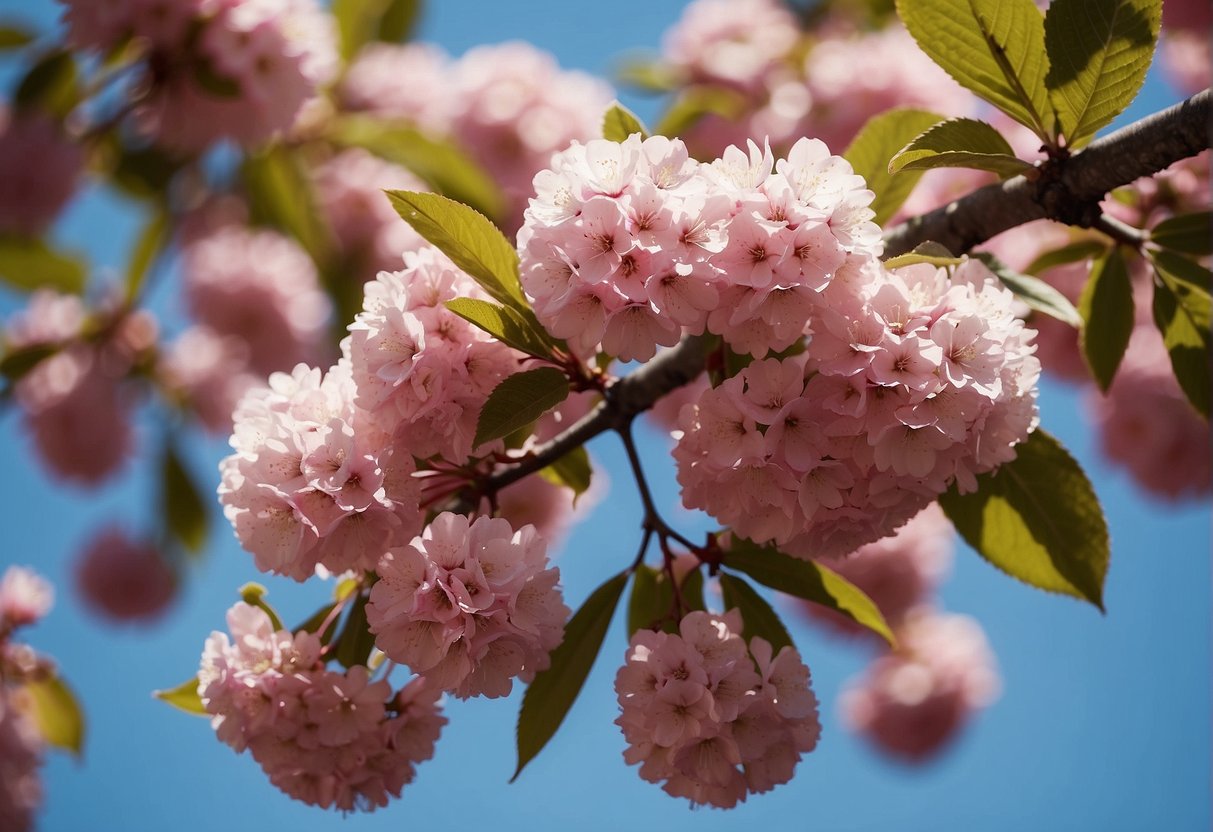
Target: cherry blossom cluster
[(710, 718), (331, 739), (124, 578), (40, 169), (420, 372), (911, 701), (913, 379), (307, 486), (634, 244), (509, 106), (1187, 56), (215, 68), (469, 605)]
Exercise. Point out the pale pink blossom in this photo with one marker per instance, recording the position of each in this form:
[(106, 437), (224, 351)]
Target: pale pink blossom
[(913, 702), (469, 605), (209, 373), (372, 83), (20, 760), (710, 718), (50, 318), (1187, 59), (734, 44), (124, 579), (25, 597), (40, 169)]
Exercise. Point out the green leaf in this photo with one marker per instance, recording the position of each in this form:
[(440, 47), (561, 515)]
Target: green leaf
[(184, 697), (869, 153), (1181, 312), (809, 580), (646, 71), (144, 173), (254, 594), (996, 48), (520, 399), (362, 21), (468, 238), (400, 20), (619, 122), (50, 85), (56, 713), (695, 103), (182, 504), (1033, 291), (1106, 307), (220, 86), (441, 164), (548, 698), (573, 471), (1186, 233), (280, 194), (152, 240), (960, 143), (15, 364), (692, 591), (651, 601), (28, 264), (758, 617), (356, 642), (1037, 519), (928, 252), (14, 37), (1072, 253), (1098, 54), (505, 324)]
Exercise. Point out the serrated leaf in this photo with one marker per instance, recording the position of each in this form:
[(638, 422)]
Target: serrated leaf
[(505, 324), (572, 471), (280, 194), (184, 509), (1106, 307), (1071, 253), (694, 103), (440, 164), (928, 252), (354, 645), (959, 143), (56, 713), (996, 48), (1181, 312), (1099, 53), (152, 240), (1037, 519), (758, 617), (548, 698), (618, 122), (519, 400), (1033, 291), (809, 580), (28, 264), (869, 153), (14, 37), (184, 697), (50, 85), (468, 238), (1186, 234)]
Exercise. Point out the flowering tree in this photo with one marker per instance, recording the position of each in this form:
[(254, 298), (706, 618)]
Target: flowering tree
[(840, 368)]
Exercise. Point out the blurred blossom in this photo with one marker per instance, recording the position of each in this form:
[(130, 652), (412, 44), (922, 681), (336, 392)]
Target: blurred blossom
[(40, 169), (124, 579)]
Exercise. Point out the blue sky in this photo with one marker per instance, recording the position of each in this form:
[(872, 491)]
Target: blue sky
[(1104, 722)]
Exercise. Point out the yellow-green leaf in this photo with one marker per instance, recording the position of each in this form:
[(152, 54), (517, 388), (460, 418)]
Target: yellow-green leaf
[(354, 645), (572, 471), (757, 616), (1099, 52), (1037, 519), (362, 21), (28, 264), (14, 37), (184, 697), (56, 713), (694, 103), (50, 85), (152, 240), (184, 509), (1071, 253), (869, 153), (927, 252), (505, 324), (1181, 312), (619, 122), (1106, 307), (280, 194), (959, 143), (548, 699), (520, 399)]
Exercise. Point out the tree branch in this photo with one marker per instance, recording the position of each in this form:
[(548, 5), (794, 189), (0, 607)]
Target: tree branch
[(1067, 190)]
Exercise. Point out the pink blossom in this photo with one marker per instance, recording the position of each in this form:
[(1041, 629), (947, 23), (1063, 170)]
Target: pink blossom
[(729, 43), (1187, 59), (124, 579), (913, 702), (469, 605), (39, 171), (209, 372), (710, 719), (20, 759), (25, 597), (372, 83)]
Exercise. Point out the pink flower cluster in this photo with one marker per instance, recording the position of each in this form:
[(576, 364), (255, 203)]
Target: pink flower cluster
[(469, 605), (307, 485), (420, 372), (25, 597), (1186, 52), (710, 719), (911, 702), (124, 579), (20, 759), (207, 373), (632, 245), (260, 287), (39, 171), (216, 68), (509, 106), (326, 738), (913, 379)]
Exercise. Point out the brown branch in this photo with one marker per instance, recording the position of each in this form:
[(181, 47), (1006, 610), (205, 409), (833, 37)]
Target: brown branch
[(1070, 194), (1066, 190)]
